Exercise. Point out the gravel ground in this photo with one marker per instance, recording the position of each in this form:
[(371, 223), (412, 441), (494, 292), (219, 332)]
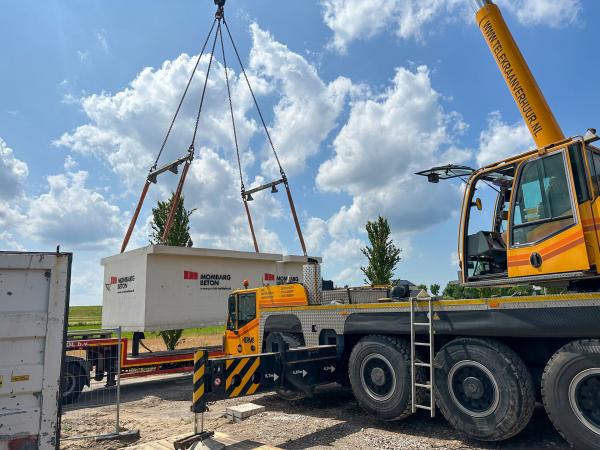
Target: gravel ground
[(330, 420)]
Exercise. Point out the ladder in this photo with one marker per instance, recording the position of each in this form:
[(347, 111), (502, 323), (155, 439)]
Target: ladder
[(429, 384)]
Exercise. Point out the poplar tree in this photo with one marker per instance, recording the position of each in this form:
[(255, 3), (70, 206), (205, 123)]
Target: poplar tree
[(382, 254)]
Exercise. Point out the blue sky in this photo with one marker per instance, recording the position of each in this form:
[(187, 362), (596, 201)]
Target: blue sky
[(358, 96)]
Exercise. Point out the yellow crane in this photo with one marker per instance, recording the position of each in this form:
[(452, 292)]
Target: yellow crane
[(542, 207)]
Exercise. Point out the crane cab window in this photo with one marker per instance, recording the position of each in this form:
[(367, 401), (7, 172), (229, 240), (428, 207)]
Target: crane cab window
[(593, 155), (543, 205), (246, 308), (241, 310)]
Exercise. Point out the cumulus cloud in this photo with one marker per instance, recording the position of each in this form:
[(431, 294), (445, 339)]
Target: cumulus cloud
[(125, 129), (307, 109), (378, 150), (13, 172), (501, 140), (352, 20), (72, 214), (553, 13)]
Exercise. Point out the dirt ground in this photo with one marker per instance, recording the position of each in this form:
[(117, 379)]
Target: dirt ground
[(331, 420)]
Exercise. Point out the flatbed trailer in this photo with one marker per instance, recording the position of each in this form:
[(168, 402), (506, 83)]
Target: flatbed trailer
[(99, 361)]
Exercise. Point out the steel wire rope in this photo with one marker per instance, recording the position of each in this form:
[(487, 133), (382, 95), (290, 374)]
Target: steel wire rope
[(237, 149), (254, 99), (212, 52), (164, 143)]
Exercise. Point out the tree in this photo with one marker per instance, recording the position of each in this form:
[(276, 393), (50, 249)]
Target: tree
[(383, 255), (178, 236), (435, 289)]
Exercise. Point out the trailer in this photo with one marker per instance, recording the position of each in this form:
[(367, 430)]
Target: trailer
[(34, 297), (92, 355)]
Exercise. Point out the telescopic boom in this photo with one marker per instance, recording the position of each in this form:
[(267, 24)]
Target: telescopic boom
[(529, 98)]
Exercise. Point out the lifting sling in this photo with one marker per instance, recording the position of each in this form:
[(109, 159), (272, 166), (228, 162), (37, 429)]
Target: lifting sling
[(187, 159)]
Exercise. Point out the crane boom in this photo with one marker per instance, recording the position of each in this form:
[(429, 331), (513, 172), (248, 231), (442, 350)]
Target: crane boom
[(527, 94)]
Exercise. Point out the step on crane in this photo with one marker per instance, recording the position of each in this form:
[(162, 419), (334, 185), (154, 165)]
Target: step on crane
[(219, 23)]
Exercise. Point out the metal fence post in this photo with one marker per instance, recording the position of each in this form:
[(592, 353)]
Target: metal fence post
[(117, 427)]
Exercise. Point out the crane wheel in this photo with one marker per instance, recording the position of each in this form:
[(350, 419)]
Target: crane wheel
[(292, 341), (379, 372), (571, 392), (483, 388)]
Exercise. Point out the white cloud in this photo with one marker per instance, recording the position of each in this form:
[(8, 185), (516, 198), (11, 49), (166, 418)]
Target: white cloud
[(102, 41), (307, 109), (8, 242), (352, 20), (13, 172), (69, 163), (553, 13), (126, 128), (315, 234), (73, 215), (501, 140), (83, 55), (378, 150)]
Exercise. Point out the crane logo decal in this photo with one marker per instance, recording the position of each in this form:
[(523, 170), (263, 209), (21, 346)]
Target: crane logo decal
[(518, 89)]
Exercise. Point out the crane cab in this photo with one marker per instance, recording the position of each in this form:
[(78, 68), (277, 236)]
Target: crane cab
[(534, 218), (244, 307)]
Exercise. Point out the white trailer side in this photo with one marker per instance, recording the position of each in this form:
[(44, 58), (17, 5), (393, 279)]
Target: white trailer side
[(34, 296)]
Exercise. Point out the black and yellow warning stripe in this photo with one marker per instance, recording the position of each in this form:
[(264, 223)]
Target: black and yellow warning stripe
[(198, 380), (242, 377)]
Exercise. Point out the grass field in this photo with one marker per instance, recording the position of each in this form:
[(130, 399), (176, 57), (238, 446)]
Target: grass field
[(90, 317)]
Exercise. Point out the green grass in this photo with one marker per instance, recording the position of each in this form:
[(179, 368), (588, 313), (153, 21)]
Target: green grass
[(90, 317)]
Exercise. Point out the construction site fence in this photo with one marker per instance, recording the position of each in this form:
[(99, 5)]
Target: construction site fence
[(94, 413)]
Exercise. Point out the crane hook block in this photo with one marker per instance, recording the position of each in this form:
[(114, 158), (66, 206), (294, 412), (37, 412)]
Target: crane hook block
[(220, 3)]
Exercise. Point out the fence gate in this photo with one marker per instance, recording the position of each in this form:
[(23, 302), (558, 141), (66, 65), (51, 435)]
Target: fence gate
[(90, 385)]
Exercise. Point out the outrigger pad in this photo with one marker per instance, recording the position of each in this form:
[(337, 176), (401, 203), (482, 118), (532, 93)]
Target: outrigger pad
[(435, 174), (204, 438)]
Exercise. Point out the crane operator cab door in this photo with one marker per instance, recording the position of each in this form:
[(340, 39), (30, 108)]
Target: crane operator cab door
[(546, 224), (241, 335), (536, 226)]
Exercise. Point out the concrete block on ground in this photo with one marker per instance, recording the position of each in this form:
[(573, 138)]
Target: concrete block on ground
[(241, 412)]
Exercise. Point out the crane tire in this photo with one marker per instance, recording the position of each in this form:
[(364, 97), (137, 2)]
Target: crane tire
[(379, 373), (483, 388), (571, 392), (293, 341)]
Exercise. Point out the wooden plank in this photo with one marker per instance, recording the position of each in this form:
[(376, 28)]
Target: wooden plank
[(229, 442)]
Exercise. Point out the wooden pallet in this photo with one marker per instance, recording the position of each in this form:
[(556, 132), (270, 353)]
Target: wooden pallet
[(229, 442)]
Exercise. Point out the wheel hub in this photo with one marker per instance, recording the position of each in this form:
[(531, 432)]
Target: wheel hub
[(584, 396), (377, 377), (473, 388)]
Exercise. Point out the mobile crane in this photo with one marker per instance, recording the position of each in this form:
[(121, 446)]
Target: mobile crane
[(482, 362)]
